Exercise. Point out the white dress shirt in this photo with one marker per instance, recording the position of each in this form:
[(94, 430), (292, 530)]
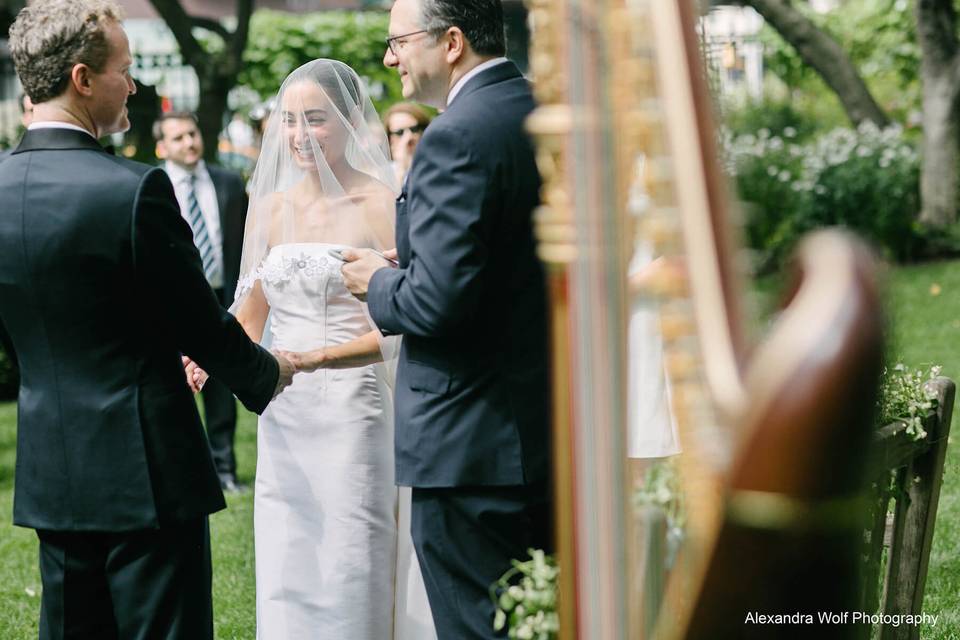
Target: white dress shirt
[(56, 124), (207, 199), (483, 66)]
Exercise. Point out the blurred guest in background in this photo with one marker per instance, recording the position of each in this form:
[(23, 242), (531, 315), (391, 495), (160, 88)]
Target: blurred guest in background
[(214, 202), (240, 134), (26, 117), (404, 122)]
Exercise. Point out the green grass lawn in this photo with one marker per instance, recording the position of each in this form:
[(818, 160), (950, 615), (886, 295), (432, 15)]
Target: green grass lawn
[(231, 533), (926, 329), (924, 306)]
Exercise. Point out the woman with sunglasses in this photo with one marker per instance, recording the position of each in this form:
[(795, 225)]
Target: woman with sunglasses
[(405, 123)]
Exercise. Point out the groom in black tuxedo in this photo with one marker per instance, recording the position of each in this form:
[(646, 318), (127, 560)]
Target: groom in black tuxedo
[(469, 298), (102, 290)]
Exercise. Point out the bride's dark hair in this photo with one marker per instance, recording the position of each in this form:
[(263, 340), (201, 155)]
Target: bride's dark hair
[(338, 81)]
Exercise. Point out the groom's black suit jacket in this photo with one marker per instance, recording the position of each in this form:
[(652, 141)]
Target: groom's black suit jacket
[(472, 384), (102, 289)]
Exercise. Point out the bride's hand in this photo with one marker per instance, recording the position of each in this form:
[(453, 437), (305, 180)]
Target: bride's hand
[(196, 377), (306, 360)]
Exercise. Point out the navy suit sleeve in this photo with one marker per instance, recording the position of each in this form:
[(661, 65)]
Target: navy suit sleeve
[(440, 284), (168, 266)]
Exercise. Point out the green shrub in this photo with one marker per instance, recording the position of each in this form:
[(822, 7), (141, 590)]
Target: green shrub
[(865, 179), (779, 117), (281, 42)]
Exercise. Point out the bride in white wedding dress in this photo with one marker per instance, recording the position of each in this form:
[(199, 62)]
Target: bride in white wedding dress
[(331, 561)]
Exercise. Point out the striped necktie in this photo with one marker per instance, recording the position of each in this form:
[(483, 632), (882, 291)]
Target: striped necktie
[(201, 236)]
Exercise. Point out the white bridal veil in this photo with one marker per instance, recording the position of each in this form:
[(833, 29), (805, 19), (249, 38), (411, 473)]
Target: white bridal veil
[(323, 178)]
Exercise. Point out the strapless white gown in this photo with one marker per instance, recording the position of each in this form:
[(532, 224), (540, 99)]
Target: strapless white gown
[(329, 561), (652, 428)]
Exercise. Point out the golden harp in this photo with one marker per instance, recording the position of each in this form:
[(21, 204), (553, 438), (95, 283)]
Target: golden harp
[(773, 435)]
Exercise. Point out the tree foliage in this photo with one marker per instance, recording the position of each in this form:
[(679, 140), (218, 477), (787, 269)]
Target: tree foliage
[(881, 39), (910, 54), (280, 42), (216, 66)]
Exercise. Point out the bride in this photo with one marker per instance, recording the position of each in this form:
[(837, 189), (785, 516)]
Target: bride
[(331, 561)]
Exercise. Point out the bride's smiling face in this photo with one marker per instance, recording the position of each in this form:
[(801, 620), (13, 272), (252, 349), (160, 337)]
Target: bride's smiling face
[(312, 124)]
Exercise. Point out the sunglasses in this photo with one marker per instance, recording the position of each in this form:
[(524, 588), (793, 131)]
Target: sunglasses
[(396, 133)]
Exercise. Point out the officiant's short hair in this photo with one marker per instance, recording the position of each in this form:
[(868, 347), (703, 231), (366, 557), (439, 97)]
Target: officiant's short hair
[(481, 21), (49, 37)]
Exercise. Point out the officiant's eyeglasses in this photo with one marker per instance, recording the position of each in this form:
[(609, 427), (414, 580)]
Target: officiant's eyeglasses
[(394, 43), (397, 133)]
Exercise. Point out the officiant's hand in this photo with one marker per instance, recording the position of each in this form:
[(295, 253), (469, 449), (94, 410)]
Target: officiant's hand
[(360, 266), (286, 373)]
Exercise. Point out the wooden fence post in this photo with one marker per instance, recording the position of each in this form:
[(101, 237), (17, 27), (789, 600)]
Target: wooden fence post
[(916, 513)]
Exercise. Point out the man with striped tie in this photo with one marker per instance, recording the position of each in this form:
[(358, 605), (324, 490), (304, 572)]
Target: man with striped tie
[(214, 203)]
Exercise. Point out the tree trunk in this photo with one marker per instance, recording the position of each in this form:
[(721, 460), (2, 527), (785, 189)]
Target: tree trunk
[(216, 73), (938, 177), (210, 110), (825, 56), (940, 74)]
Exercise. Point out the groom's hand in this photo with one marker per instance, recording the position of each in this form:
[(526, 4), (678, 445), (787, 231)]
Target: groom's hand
[(359, 267), (286, 373)]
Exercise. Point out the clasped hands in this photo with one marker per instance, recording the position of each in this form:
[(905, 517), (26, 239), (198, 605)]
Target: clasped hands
[(359, 266), (289, 362)]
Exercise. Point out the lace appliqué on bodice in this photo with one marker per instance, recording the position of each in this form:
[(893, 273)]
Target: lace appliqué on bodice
[(277, 270)]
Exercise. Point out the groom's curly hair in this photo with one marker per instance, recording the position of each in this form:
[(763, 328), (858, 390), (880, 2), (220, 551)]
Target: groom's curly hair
[(49, 37), (480, 20)]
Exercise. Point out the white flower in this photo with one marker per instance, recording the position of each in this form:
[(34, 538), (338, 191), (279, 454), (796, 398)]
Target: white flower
[(784, 176), (789, 132)]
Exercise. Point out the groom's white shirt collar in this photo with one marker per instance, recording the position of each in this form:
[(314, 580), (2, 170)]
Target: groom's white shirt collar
[(54, 124), (483, 66)]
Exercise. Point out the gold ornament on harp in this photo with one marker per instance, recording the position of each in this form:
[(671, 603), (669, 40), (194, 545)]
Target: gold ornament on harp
[(551, 124)]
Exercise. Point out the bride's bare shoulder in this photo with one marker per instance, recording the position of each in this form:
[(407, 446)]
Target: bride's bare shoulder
[(267, 214), (269, 204), (373, 194)]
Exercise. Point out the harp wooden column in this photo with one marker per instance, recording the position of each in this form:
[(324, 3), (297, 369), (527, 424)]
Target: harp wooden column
[(550, 125), (581, 232)]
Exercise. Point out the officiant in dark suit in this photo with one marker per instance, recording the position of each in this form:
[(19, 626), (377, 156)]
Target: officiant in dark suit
[(472, 435), (102, 291), (213, 201)]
